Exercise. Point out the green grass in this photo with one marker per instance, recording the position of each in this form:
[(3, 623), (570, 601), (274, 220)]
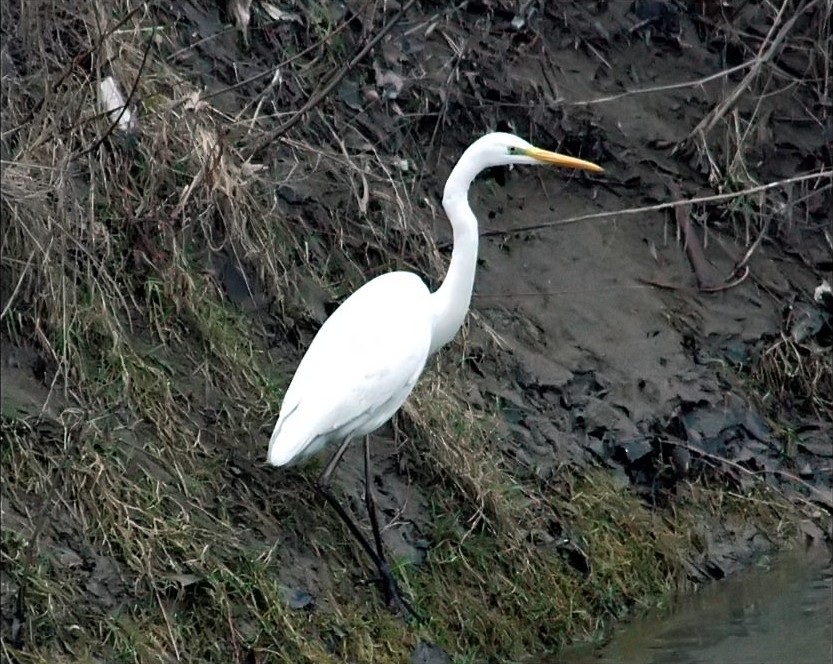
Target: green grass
[(199, 555)]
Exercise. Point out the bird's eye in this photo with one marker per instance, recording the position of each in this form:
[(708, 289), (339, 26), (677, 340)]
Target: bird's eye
[(512, 149)]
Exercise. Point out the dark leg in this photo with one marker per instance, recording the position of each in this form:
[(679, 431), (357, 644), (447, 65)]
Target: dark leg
[(392, 593), (323, 487), (324, 479), (368, 500), (353, 528), (390, 587)]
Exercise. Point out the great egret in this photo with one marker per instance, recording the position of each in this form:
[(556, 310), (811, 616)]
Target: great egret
[(368, 355)]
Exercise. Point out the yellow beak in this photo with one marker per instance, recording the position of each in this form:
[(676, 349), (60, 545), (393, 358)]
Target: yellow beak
[(555, 159)]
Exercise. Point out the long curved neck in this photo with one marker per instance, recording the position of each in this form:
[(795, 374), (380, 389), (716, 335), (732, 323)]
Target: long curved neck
[(451, 301)]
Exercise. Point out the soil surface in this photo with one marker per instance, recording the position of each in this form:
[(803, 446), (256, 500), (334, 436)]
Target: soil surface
[(591, 360), (593, 337)]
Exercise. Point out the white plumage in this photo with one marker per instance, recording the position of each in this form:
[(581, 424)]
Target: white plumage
[(367, 357), (359, 369)]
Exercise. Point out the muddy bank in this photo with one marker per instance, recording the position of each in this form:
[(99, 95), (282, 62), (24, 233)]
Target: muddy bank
[(610, 425)]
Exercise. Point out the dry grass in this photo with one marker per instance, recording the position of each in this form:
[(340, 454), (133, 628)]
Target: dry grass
[(785, 69), (796, 377), (155, 535), (737, 135), (457, 449)]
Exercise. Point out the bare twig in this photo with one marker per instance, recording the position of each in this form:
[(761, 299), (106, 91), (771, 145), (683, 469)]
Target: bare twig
[(273, 69), (754, 246), (661, 88), (318, 96), (708, 122), (69, 69), (822, 498), (662, 206), (719, 288), (453, 69), (23, 273), (115, 123), (693, 247)]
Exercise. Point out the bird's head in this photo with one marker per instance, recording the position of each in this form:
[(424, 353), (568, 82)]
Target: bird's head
[(502, 149)]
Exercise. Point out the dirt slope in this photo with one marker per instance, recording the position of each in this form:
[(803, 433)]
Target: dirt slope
[(603, 431)]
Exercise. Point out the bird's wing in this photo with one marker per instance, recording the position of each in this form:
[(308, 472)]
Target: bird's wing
[(359, 368)]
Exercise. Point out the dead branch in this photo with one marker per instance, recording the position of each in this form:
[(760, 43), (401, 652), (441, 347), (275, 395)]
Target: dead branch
[(714, 198), (709, 121), (317, 97)]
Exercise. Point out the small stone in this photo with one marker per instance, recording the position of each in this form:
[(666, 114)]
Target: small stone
[(427, 653), (297, 598)]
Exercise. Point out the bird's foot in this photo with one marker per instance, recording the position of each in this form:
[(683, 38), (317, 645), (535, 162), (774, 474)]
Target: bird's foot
[(394, 598)]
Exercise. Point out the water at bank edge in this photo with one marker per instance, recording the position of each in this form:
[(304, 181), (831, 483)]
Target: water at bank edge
[(780, 612)]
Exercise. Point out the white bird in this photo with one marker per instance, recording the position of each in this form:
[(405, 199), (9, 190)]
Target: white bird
[(369, 354)]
